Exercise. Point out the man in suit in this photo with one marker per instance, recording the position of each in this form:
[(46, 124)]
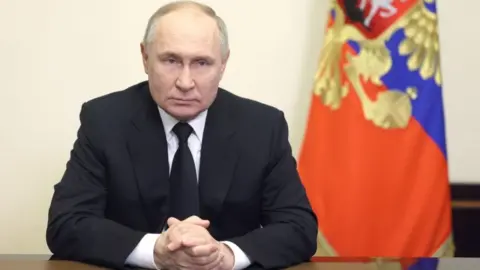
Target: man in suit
[(176, 172)]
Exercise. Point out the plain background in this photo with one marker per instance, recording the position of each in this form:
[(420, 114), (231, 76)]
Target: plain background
[(56, 54)]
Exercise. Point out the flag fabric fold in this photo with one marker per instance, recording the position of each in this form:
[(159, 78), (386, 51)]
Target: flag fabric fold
[(373, 158)]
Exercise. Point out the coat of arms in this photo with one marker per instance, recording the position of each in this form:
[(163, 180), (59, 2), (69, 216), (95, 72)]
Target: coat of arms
[(357, 52)]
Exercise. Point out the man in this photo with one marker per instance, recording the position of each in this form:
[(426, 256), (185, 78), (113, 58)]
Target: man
[(179, 173)]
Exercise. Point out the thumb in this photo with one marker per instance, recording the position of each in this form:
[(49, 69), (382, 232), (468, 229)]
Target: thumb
[(172, 221), (198, 221)]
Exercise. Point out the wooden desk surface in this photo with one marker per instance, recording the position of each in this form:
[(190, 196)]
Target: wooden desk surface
[(45, 265), (40, 262), (64, 265)]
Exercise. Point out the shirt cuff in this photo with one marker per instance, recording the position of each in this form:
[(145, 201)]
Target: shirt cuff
[(142, 256), (241, 260)]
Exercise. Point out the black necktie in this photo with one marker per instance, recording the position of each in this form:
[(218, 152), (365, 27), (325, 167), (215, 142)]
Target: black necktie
[(184, 200)]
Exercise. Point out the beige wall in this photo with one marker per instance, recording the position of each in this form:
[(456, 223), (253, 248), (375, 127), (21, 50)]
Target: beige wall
[(56, 54)]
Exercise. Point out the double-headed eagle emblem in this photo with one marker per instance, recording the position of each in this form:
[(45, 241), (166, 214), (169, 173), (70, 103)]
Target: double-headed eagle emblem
[(370, 24)]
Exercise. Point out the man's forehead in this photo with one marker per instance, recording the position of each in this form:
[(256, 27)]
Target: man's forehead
[(186, 17), (187, 29), (187, 24)]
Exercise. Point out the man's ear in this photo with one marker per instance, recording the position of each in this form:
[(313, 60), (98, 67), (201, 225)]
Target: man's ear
[(143, 50)]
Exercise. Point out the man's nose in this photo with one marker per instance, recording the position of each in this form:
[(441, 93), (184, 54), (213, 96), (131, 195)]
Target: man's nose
[(185, 81)]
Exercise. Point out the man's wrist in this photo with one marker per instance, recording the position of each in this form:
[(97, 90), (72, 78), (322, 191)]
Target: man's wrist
[(240, 260), (159, 252), (228, 256)]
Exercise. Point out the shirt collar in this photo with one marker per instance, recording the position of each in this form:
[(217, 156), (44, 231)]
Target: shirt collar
[(198, 123)]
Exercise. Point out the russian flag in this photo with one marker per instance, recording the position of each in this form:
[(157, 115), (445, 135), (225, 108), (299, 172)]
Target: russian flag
[(374, 159)]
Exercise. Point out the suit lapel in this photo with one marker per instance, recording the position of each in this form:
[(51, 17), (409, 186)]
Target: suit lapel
[(218, 158), (148, 149)]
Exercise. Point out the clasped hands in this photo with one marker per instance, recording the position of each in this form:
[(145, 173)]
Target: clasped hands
[(187, 244)]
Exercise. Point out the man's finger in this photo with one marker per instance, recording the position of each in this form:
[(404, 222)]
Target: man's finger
[(172, 221), (174, 245), (198, 221), (217, 264), (192, 220), (201, 250), (191, 241), (212, 262)]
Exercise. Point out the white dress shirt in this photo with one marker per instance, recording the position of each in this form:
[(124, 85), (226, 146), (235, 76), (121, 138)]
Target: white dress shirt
[(142, 255)]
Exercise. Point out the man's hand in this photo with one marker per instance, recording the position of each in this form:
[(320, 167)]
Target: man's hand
[(188, 245)]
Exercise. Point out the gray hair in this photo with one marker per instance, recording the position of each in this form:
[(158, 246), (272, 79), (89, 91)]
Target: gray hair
[(164, 10)]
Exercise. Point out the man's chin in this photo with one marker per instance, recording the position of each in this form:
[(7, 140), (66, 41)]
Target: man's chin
[(184, 113)]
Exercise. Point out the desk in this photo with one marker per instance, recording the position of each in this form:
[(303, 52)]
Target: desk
[(38, 262)]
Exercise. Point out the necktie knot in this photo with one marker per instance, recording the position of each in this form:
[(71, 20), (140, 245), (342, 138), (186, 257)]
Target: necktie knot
[(183, 131)]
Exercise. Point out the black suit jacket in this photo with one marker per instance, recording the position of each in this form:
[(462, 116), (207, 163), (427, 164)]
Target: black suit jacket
[(115, 187)]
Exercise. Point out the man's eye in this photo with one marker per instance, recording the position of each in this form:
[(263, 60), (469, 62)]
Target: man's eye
[(202, 62), (169, 60)]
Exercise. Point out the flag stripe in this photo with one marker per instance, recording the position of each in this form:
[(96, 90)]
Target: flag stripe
[(428, 107)]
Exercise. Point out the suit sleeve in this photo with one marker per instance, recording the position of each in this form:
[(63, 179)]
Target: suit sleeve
[(289, 226), (77, 228)]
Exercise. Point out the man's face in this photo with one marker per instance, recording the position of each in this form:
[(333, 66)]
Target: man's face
[(184, 63)]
